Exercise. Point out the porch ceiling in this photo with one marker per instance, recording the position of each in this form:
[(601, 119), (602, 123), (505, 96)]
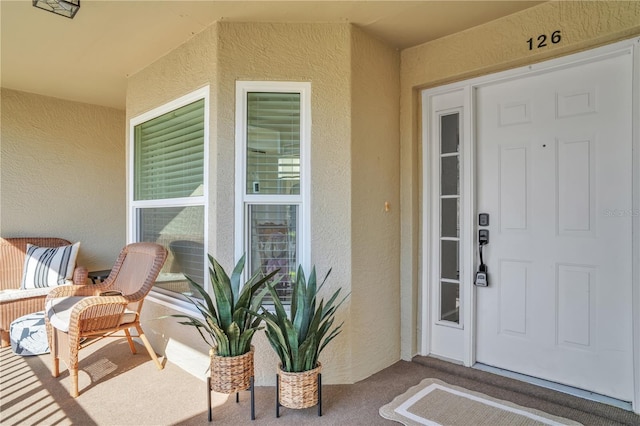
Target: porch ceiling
[(88, 59)]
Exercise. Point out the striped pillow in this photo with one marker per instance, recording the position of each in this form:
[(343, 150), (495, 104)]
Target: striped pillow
[(49, 266)]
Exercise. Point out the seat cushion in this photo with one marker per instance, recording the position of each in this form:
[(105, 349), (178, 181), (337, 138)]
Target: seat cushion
[(59, 310), (49, 266), (28, 335)]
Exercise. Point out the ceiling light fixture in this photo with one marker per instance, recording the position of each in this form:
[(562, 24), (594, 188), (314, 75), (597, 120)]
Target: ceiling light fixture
[(67, 8)]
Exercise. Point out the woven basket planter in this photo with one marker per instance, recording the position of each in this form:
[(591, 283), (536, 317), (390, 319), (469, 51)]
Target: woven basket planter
[(231, 374), (299, 390)]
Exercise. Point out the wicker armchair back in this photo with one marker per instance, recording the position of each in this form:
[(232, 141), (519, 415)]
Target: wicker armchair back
[(12, 255)]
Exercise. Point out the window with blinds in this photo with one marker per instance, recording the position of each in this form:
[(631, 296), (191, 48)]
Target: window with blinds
[(169, 160), (168, 201), (273, 143), (273, 138)]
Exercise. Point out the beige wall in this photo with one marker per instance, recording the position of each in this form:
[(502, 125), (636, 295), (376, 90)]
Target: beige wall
[(496, 46), (62, 174), (375, 197), (296, 52), (185, 69), (322, 54)]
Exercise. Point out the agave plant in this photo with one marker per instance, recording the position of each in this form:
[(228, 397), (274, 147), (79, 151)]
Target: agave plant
[(299, 338), (228, 325)]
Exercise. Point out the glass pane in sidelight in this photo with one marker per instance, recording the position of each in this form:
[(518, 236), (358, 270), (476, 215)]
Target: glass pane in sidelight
[(449, 183), (449, 217), (450, 302), (449, 260), (449, 134)]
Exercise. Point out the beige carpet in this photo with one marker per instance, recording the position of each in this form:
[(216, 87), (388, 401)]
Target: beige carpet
[(119, 389), (434, 402)]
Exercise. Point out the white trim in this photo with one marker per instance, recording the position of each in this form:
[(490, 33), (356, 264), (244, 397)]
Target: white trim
[(201, 93), (625, 47), (443, 338), (304, 199), (635, 303), (468, 227), (424, 308)]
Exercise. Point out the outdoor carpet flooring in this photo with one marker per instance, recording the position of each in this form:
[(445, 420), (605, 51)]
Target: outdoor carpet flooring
[(119, 389)]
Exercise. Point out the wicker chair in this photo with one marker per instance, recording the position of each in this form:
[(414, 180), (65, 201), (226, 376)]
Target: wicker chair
[(16, 302), (74, 313)]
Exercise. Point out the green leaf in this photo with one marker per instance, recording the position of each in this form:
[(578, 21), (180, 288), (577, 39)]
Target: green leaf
[(222, 291), (226, 321), (330, 337), (209, 307), (300, 310), (244, 344), (292, 337), (324, 280), (276, 337), (308, 354), (233, 334), (299, 336), (235, 277)]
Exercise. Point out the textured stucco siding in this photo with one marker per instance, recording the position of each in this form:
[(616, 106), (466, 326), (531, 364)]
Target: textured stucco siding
[(182, 71), (496, 46), (62, 174), (308, 53), (321, 54), (375, 220)]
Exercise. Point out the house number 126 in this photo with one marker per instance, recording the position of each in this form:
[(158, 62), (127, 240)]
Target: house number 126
[(542, 40)]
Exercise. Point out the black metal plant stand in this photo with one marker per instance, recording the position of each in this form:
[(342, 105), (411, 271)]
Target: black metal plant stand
[(319, 404), (250, 389)]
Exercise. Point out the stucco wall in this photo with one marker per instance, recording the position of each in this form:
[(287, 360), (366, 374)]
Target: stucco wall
[(375, 216), (320, 54), (184, 70), (496, 46), (62, 174), (296, 52)]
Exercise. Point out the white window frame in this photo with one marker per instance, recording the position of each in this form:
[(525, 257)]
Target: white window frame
[(243, 200), (162, 296)]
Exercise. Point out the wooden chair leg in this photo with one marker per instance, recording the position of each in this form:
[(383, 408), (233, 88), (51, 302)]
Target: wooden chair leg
[(147, 345), (5, 339), (130, 340), (73, 372), (56, 366), (53, 349)]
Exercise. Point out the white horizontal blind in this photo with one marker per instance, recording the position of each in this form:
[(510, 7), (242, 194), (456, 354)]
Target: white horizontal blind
[(169, 154), (273, 143)]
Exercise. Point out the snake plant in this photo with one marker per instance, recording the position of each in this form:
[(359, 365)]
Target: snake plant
[(228, 326), (298, 338)]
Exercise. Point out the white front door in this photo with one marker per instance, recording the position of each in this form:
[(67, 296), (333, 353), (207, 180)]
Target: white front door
[(554, 172)]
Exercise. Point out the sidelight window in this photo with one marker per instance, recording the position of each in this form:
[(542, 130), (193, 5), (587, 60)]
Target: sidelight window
[(450, 218)]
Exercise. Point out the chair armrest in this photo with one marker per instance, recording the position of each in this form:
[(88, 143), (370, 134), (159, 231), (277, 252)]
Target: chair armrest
[(80, 275), (75, 290)]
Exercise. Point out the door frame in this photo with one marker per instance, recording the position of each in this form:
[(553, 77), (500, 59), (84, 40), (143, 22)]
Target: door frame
[(468, 210)]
